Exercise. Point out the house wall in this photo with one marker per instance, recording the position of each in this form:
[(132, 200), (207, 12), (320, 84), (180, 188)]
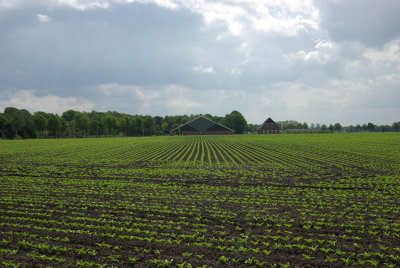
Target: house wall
[(269, 129)]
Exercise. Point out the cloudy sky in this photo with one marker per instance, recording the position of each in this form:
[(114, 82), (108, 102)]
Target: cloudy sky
[(318, 61)]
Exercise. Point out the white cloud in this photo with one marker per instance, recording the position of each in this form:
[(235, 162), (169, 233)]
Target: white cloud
[(76, 4), (178, 98), (133, 99), (84, 4), (43, 18), (126, 97), (170, 4), (200, 68), (285, 17), (323, 52), (26, 99), (333, 100), (237, 71), (390, 54), (231, 95), (114, 90)]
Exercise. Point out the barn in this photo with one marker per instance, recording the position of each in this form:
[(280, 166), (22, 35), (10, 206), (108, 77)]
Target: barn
[(202, 126), (268, 127)]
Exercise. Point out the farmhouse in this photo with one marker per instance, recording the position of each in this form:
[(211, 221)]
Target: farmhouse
[(202, 126), (268, 127)]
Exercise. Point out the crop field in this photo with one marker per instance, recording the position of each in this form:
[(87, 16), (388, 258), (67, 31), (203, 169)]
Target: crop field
[(320, 200)]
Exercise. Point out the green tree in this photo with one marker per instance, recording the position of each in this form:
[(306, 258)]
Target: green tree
[(331, 128), (21, 121), (252, 128), (3, 122), (53, 125), (164, 127), (82, 123), (290, 124), (9, 131), (337, 127), (95, 125), (125, 124), (396, 126), (63, 126), (149, 125), (139, 126), (71, 126), (158, 125), (364, 127), (110, 123), (40, 122), (69, 115), (371, 127), (236, 121)]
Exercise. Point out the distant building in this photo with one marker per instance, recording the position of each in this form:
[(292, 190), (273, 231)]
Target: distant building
[(268, 127), (202, 126)]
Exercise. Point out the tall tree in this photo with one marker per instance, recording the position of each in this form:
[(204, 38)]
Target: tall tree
[(164, 127), (71, 126), (139, 126), (22, 122), (236, 121), (110, 122), (95, 125), (63, 126), (125, 124), (149, 124), (396, 126), (371, 127), (53, 125), (82, 123), (69, 115), (3, 122), (40, 122), (337, 127)]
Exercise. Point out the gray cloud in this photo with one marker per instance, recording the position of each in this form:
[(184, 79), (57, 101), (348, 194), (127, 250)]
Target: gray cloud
[(373, 23), (320, 61)]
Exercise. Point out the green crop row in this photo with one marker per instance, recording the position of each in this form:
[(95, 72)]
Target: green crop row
[(330, 200)]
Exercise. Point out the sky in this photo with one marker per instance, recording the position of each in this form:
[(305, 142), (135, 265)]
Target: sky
[(315, 61)]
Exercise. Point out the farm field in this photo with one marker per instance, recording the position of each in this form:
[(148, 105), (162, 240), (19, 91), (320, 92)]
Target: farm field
[(326, 200)]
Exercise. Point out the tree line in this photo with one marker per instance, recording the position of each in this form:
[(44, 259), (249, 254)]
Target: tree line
[(20, 123), (337, 127)]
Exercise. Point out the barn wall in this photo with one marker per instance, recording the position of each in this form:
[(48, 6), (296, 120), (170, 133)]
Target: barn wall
[(269, 129), (227, 132)]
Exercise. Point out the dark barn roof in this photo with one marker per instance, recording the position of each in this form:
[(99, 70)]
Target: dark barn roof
[(202, 124), (268, 121)]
